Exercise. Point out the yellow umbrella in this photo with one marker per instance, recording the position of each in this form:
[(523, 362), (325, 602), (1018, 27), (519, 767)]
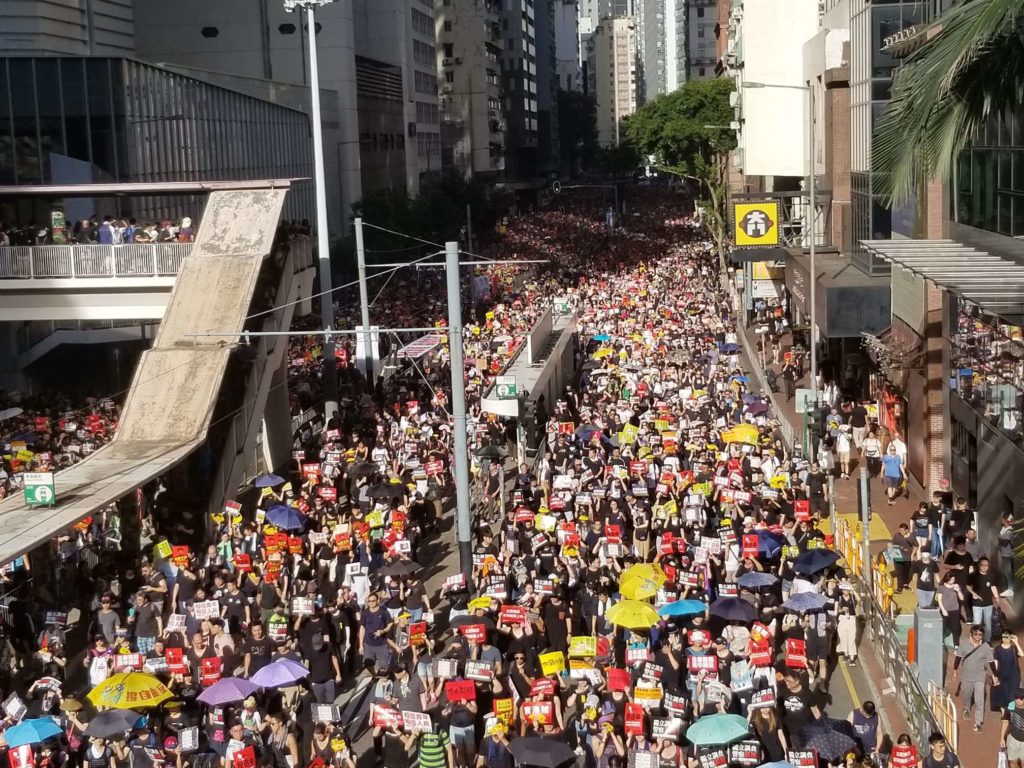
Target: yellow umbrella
[(633, 614), (602, 353), (742, 433), (129, 690), (641, 581)]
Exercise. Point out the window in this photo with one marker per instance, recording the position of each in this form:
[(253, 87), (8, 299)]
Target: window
[(449, 77), (700, 33), (447, 26), (286, 29), (449, 50), (209, 32)]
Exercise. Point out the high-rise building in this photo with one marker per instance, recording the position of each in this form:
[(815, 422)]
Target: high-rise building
[(469, 51), (612, 57), (68, 27), (661, 38), (700, 47), (546, 158), (567, 45), (519, 84)]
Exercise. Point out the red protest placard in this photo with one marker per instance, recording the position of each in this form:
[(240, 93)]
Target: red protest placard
[(327, 493), (211, 669), (802, 758), (796, 653), (175, 660), (179, 555), (666, 544), (543, 686), (433, 468), (242, 562), (538, 711), (802, 509), (618, 679), (295, 544), (310, 470), (750, 541), (566, 427), (22, 757), (634, 719), (613, 533), (460, 690), (761, 654), (475, 633), (386, 717), (244, 758), (524, 515), (638, 467), (697, 663), (512, 614)]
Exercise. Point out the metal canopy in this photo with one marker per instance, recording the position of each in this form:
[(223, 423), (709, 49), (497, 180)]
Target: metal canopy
[(993, 283)]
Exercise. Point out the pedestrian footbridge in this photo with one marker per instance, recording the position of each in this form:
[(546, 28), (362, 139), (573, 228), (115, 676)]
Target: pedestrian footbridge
[(182, 381)]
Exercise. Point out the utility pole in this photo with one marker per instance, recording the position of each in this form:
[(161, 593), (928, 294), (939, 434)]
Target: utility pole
[(323, 243), (464, 522), (366, 339), (865, 524)]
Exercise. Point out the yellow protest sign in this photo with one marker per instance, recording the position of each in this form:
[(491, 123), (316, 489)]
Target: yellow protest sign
[(162, 549), (779, 481), (704, 489), (375, 519), (628, 434), (480, 603), (552, 663), (661, 425), (545, 523), (504, 709), (582, 647)]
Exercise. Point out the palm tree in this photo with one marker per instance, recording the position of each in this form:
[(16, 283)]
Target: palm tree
[(970, 68)]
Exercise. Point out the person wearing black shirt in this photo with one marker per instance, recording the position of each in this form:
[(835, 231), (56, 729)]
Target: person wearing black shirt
[(324, 671), (257, 649), (557, 624), (927, 572), (984, 595), (816, 487), (799, 706), (235, 608), (960, 562)]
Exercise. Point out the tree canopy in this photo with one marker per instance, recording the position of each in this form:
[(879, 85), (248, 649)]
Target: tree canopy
[(970, 68), (686, 131)]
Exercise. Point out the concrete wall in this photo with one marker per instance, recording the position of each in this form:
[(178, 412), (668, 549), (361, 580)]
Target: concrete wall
[(67, 27)]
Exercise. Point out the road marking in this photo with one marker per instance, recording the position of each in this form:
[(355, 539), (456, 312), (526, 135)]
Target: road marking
[(849, 684)]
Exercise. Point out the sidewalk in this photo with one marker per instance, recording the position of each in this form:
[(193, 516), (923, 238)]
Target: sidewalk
[(983, 748)]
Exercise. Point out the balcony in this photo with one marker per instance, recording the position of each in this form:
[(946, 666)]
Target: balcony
[(51, 262)]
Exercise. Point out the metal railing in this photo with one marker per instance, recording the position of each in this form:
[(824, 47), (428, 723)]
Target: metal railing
[(36, 331), (25, 262)]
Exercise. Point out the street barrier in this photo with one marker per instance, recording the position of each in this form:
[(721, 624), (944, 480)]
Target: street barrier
[(848, 545), (944, 708)]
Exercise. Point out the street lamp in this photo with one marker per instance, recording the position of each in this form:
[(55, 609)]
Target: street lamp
[(813, 215), (330, 373)]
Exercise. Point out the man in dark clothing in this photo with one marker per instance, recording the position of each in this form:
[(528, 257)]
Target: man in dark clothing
[(816, 487)]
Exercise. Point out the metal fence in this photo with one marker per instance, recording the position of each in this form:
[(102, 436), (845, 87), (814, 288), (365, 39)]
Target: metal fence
[(87, 261)]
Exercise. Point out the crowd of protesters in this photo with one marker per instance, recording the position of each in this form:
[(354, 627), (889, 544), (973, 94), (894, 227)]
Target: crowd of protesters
[(654, 590)]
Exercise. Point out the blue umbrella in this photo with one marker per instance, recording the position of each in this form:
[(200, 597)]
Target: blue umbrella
[(757, 580), (779, 764), (805, 602), (601, 337), (733, 609), (713, 730), (32, 731), (286, 518), (268, 481), (729, 349), (814, 561), (741, 379), (682, 608), (769, 544)]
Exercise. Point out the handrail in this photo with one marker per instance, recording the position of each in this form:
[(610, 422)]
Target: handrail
[(48, 262)]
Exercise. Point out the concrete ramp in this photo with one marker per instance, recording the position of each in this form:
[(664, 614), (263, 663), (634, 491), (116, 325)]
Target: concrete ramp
[(175, 387)]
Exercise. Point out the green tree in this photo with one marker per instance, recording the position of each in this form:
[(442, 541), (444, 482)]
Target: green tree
[(969, 69), (687, 133), (577, 130)]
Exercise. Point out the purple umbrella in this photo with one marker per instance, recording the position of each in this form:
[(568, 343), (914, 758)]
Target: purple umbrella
[(228, 690), (278, 674)]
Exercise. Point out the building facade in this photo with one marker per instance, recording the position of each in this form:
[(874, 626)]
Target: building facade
[(568, 66), (78, 120), (613, 64), (700, 47), (469, 53), (661, 46), (68, 28), (519, 83)]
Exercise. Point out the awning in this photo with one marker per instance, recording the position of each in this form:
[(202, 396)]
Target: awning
[(849, 303), (994, 284)]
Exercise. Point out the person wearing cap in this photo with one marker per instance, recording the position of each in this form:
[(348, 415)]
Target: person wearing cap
[(1011, 734)]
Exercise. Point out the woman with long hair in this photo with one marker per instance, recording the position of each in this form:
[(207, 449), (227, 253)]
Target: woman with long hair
[(768, 730)]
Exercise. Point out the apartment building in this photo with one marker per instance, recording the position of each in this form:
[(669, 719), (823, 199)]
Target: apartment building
[(661, 38), (469, 54), (568, 66), (700, 47), (612, 57)]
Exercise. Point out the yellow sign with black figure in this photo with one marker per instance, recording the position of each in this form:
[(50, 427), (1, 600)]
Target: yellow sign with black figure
[(756, 224)]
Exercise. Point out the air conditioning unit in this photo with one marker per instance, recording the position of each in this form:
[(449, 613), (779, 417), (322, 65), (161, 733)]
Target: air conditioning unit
[(446, 88), (730, 59), (457, 61), (734, 96), (734, 125), (446, 62)]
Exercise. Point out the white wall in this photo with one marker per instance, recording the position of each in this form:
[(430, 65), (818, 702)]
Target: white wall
[(774, 130)]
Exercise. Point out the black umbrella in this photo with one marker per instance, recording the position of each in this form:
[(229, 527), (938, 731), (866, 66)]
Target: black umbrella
[(111, 722), (827, 724), (386, 491), (814, 561), (733, 609), (831, 745), (400, 568), (469, 620), (362, 468), (541, 751), (490, 452)]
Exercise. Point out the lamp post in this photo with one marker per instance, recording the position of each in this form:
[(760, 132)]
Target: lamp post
[(813, 216), (330, 373)]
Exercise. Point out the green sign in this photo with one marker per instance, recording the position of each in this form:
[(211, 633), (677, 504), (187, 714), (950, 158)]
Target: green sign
[(505, 387), (39, 489), (561, 306)]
